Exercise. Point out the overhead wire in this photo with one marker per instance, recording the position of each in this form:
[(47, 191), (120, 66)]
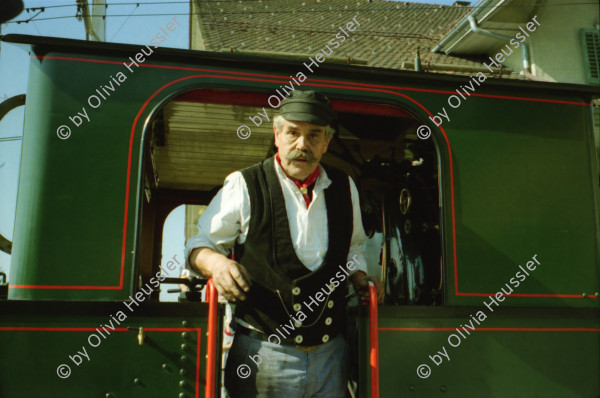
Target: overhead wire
[(123, 24), (412, 5), (404, 7)]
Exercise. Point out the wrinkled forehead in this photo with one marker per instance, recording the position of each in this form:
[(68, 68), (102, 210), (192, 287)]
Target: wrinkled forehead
[(303, 126)]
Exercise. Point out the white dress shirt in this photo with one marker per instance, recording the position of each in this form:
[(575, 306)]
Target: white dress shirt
[(227, 218)]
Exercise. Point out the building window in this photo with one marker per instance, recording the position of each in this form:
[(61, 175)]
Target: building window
[(591, 51)]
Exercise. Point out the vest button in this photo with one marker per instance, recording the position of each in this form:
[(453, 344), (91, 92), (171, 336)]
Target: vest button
[(298, 323), (331, 287), (297, 307), (330, 304), (328, 321), (296, 291), (298, 339), (325, 338)]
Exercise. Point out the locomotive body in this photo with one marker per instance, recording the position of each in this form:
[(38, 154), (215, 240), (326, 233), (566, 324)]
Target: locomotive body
[(484, 224)]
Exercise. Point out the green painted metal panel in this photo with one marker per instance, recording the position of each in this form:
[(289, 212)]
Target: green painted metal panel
[(513, 352), (51, 340), (524, 183)]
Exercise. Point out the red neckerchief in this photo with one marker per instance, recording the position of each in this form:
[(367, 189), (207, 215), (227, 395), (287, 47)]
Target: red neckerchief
[(303, 186)]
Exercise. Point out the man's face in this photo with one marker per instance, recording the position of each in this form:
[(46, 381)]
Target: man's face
[(301, 146)]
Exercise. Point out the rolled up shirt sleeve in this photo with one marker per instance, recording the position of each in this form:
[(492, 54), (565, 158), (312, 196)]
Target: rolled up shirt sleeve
[(359, 237), (225, 220)]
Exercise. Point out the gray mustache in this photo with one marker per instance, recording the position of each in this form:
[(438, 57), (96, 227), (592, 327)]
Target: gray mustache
[(297, 154)]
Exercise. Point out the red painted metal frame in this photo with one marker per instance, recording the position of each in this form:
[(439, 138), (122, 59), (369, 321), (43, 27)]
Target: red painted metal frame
[(374, 357), (211, 348)]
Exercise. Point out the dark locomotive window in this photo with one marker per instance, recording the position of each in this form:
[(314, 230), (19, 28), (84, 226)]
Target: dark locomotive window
[(397, 176), (196, 141)]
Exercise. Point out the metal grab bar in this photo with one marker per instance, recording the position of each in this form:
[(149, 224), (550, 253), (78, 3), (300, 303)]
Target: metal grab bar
[(211, 353), (374, 357)]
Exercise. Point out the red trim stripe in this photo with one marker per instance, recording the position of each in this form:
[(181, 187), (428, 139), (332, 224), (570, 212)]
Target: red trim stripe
[(530, 295), (493, 329), (148, 65), (65, 287)]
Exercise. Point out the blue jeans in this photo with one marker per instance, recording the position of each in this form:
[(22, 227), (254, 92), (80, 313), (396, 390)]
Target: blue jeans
[(260, 369)]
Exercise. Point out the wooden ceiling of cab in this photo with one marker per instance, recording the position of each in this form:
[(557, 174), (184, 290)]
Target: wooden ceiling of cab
[(202, 146)]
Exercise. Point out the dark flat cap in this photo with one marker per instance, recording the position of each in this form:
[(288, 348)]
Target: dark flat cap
[(307, 106)]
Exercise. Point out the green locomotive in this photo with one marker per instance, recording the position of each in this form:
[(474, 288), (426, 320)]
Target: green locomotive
[(484, 223)]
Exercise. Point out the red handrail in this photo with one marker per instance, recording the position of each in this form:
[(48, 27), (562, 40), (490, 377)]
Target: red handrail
[(211, 355), (374, 358)]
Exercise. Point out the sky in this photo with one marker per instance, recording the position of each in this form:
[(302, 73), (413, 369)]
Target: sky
[(125, 23)]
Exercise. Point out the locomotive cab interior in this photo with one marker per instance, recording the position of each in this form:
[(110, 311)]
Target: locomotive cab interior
[(192, 143)]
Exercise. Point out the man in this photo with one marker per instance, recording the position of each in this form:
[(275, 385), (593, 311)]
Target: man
[(297, 231)]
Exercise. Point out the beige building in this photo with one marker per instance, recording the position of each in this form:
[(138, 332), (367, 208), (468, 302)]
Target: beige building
[(563, 46)]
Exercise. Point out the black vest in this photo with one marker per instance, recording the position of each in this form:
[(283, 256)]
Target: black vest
[(283, 288)]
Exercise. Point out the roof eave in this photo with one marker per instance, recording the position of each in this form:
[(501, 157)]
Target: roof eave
[(460, 32)]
